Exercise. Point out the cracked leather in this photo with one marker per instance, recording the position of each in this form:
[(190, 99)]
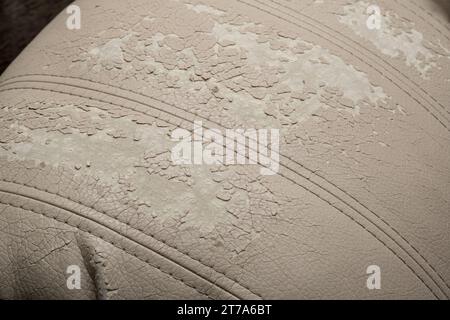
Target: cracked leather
[(86, 176)]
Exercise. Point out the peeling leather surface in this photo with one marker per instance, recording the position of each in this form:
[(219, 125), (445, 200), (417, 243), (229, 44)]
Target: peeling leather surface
[(86, 177)]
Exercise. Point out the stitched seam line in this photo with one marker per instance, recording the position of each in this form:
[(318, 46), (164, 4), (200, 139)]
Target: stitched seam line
[(296, 11), (295, 182), (407, 78), (351, 53), (146, 261), (422, 18), (122, 235), (357, 44), (438, 20), (126, 236)]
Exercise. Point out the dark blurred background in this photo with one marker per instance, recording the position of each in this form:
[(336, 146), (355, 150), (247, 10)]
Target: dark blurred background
[(21, 21)]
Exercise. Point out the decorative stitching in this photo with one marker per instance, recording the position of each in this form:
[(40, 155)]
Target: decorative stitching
[(118, 220), (351, 53), (421, 17), (381, 58)]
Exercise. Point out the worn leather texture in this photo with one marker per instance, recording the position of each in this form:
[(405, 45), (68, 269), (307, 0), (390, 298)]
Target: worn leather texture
[(86, 176)]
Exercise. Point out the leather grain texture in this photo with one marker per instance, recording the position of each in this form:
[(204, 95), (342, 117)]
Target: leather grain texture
[(86, 176)]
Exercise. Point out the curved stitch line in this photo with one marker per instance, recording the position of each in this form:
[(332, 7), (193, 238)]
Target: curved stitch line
[(77, 203), (438, 20), (296, 11), (133, 254), (293, 160), (114, 231), (358, 45), (146, 261), (422, 18), (294, 181), (351, 53), (135, 229)]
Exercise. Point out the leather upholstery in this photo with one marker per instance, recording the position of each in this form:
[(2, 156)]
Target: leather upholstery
[(86, 176)]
